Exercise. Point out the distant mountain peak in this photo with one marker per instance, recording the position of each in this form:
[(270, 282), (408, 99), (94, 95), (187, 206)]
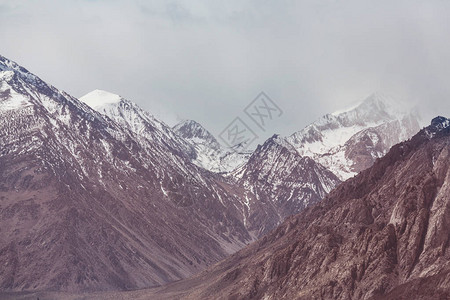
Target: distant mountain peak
[(348, 141), (139, 121), (278, 140), (190, 129), (209, 152), (378, 103), (99, 98)]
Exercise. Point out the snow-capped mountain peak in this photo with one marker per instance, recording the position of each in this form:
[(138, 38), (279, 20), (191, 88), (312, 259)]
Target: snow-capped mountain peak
[(100, 98), (195, 132), (188, 138), (332, 130), (143, 124), (277, 140), (20, 89), (209, 153), (376, 107), (375, 124)]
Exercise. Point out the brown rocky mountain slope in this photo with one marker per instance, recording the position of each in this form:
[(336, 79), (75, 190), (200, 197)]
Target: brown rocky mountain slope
[(383, 234), (86, 204)]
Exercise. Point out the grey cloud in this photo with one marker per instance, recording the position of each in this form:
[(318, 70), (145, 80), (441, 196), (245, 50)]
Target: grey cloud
[(206, 60)]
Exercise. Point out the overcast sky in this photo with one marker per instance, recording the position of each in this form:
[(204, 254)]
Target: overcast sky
[(206, 60)]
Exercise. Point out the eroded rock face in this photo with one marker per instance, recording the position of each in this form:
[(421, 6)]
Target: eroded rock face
[(381, 235)]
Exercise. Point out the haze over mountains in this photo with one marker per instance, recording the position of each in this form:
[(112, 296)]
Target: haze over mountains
[(97, 194)]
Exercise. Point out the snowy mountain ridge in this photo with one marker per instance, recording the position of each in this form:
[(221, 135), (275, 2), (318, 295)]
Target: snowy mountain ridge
[(294, 172), (338, 144), (99, 98), (140, 122), (328, 139), (192, 130), (188, 138)]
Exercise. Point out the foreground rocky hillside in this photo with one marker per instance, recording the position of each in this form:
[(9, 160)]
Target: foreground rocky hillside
[(381, 235)]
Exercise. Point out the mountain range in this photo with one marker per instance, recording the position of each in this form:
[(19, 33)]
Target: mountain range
[(97, 194)]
